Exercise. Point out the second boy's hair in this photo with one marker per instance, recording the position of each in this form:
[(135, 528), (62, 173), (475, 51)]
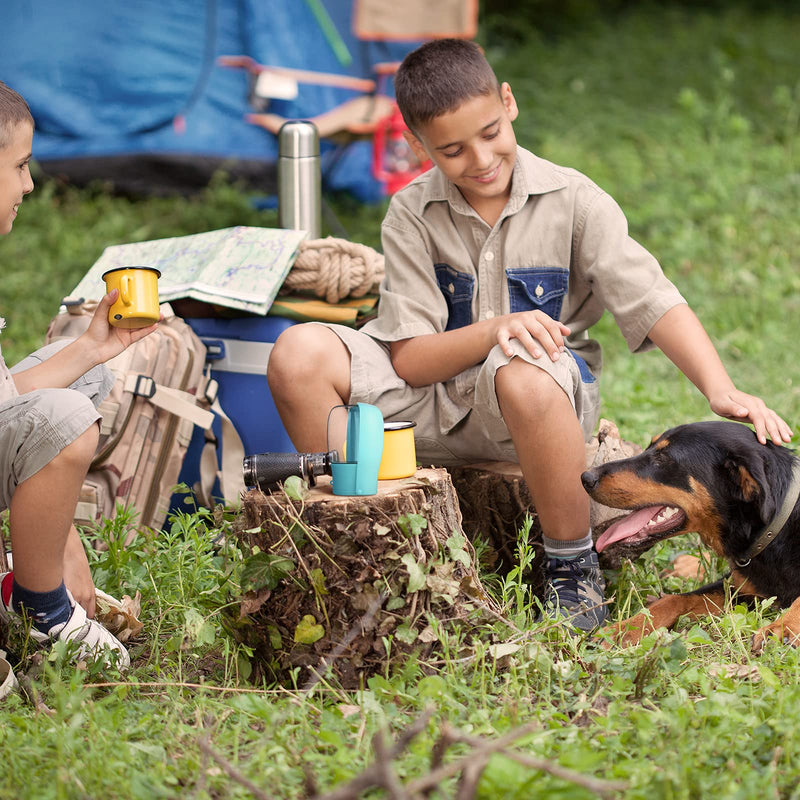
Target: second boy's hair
[(438, 77), (13, 111)]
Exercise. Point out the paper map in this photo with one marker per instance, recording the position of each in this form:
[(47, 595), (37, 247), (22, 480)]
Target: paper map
[(240, 267)]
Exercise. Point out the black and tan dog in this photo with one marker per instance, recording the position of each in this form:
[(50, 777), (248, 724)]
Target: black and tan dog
[(741, 497)]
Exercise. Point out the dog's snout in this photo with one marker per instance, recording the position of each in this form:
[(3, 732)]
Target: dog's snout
[(589, 479)]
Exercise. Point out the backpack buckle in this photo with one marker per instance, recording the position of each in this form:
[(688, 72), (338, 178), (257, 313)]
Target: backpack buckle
[(145, 386)]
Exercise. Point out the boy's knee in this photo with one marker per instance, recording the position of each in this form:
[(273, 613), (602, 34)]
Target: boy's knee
[(520, 382), (304, 352), (80, 451)]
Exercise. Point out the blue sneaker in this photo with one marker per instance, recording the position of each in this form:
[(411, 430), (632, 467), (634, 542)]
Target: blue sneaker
[(575, 590)]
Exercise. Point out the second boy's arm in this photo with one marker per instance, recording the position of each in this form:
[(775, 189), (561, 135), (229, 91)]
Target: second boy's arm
[(682, 338), (437, 357)]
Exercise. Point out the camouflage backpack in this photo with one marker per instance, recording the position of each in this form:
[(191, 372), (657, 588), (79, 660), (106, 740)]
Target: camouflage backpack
[(161, 391)]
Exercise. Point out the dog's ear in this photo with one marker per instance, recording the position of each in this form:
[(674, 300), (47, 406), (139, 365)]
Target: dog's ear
[(750, 484)]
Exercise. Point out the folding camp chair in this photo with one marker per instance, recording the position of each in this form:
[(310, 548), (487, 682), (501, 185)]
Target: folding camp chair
[(373, 114)]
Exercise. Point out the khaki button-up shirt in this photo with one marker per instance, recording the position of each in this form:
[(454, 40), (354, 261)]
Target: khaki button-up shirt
[(561, 245)]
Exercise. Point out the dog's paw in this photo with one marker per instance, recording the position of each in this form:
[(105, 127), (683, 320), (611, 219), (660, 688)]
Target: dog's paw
[(627, 633), (780, 629)]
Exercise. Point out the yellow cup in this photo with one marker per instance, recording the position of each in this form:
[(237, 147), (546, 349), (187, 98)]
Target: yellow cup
[(399, 459), (137, 303)]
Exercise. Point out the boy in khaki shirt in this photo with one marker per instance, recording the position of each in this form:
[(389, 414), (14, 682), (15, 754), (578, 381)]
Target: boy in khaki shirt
[(497, 263)]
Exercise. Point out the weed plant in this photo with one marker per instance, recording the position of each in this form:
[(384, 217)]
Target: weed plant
[(690, 120)]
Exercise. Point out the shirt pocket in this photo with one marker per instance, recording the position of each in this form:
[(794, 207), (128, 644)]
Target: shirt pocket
[(457, 290), (542, 288)]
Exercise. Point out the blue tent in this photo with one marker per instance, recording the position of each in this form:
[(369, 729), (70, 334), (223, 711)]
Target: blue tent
[(132, 92)]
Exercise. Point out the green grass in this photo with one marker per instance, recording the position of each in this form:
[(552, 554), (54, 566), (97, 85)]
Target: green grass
[(690, 120)]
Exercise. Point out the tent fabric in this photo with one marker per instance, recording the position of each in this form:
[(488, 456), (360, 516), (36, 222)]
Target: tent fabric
[(131, 92)]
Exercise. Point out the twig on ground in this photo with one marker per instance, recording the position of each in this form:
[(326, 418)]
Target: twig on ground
[(230, 770), (374, 774), (470, 767), (596, 785)]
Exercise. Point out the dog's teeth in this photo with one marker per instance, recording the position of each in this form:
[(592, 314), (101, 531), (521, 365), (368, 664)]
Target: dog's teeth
[(666, 513)]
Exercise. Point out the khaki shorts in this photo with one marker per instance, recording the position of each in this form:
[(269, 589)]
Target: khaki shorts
[(481, 433), (35, 427)]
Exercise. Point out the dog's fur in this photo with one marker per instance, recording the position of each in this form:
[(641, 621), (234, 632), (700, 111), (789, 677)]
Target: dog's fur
[(716, 479)]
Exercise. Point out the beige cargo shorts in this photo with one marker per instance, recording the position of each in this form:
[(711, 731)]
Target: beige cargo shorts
[(35, 427), (481, 433)]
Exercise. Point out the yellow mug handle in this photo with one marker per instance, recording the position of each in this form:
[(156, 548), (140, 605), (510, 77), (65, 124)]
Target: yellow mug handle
[(125, 290)]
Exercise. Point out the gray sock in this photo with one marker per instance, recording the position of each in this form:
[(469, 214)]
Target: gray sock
[(555, 548)]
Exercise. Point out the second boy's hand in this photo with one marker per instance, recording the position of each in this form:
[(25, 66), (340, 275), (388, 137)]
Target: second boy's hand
[(438, 357), (532, 328)]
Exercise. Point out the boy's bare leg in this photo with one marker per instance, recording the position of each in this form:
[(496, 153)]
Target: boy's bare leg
[(549, 443), (41, 512), (77, 575), (308, 374)]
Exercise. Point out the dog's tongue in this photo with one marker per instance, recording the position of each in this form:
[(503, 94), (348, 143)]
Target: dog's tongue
[(626, 527)]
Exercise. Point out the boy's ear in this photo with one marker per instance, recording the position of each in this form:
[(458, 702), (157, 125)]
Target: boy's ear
[(510, 103), (416, 146)]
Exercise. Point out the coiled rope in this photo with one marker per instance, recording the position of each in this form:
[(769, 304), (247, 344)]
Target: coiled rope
[(335, 269)]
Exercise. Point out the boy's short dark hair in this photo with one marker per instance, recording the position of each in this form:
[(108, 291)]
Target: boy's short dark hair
[(439, 76), (13, 111)]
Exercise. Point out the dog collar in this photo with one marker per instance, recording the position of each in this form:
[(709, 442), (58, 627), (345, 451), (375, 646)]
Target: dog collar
[(776, 526)]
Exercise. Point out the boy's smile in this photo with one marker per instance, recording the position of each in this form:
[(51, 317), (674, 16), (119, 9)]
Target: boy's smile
[(15, 175), (475, 147)]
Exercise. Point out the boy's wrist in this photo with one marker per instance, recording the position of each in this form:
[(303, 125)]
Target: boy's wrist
[(86, 353)]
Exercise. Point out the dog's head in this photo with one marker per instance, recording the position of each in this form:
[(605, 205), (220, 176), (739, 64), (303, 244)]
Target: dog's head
[(712, 478)]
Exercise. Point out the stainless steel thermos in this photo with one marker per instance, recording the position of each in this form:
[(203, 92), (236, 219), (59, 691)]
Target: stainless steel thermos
[(299, 180)]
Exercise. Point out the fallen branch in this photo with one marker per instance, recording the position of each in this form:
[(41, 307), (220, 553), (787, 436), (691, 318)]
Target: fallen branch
[(376, 773), (231, 771), (470, 767)]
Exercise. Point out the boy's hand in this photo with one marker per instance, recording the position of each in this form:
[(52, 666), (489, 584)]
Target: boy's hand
[(744, 407), (108, 340), (535, 330)]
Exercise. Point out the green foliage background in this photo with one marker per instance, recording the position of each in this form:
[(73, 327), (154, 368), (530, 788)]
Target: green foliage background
[(688, 115)]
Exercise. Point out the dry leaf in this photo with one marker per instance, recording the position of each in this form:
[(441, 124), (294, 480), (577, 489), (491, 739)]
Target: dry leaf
[(252, 601), (428, 635), (686, 566), (744, 671), (502, 649), (120, 617)]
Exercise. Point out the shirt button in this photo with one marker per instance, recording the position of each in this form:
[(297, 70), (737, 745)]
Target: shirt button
[(539, 291), (451, 288), (490, 256), (489, 314)]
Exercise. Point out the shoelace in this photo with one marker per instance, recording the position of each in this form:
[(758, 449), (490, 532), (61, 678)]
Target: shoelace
[(564, 577)]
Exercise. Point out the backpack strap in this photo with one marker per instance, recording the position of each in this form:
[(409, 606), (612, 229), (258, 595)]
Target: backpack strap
[(171, 400), (229, 473)]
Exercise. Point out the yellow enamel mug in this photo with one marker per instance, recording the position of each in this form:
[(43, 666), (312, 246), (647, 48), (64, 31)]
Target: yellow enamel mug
[(399, 459), (137, 303)]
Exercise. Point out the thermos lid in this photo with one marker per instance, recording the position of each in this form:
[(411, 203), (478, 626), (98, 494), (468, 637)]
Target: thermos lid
[(298, 138)]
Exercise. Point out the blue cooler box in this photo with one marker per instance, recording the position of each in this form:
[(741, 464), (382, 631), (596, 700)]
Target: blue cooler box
[(238, 352)]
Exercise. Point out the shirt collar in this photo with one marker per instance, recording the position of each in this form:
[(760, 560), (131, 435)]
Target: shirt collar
[(532, 175)]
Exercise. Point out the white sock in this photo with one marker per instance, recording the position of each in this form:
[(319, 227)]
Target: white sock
[(571, 548)]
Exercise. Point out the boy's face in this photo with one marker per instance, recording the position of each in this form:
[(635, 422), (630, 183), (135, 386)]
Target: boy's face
[(474, 146), (15, 174)]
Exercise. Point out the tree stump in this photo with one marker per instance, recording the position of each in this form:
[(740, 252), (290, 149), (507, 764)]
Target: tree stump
[(348, 582)]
